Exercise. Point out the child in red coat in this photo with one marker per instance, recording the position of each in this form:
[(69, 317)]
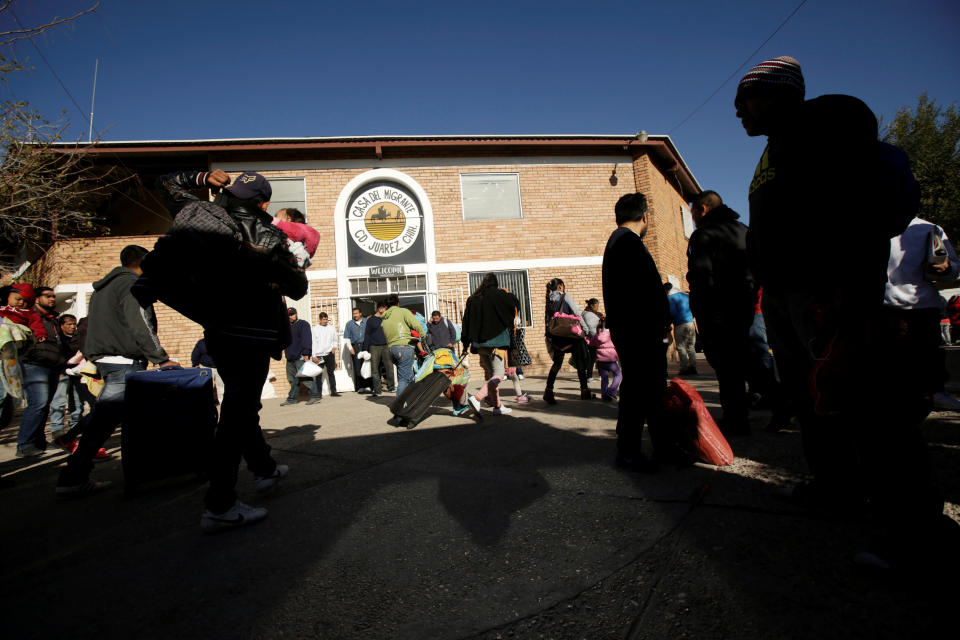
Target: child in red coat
[(19, 309)]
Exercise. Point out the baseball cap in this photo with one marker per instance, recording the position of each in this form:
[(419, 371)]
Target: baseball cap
[(249, 185), (291, 311)]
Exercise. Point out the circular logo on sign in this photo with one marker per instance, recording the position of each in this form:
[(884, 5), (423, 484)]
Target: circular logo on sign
[(384, 219)]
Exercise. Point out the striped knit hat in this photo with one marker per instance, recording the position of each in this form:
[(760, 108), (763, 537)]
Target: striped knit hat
[(781, 72)]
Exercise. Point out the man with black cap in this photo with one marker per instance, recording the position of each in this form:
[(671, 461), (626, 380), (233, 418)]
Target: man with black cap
[(819, 246), (232, 236), (298, 352), (638, 316)]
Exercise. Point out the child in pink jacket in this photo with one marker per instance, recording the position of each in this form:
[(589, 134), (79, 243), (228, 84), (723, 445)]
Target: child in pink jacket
[(606, 362), (303, 239)]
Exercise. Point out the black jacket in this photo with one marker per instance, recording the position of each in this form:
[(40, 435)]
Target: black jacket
[(118, 325), (487, 314), (720, 280), (633, 296), (815, 223), (373, 336), (244, 264), (48, 353)]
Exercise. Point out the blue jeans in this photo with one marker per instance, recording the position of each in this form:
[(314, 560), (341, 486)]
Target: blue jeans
[(39, 382), (402, 356), (67, 392), (99, 424)]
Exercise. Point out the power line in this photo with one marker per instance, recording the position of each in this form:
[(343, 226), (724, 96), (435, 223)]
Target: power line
[(50, 67), (737, 70)]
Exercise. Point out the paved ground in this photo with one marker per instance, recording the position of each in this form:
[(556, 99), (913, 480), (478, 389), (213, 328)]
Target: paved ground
[(517, 527)]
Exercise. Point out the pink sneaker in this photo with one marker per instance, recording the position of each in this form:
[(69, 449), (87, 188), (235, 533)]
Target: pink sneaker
[(523, 399), (102, 455)]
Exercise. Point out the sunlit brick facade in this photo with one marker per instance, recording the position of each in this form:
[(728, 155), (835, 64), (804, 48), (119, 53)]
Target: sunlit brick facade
[(533, 208)]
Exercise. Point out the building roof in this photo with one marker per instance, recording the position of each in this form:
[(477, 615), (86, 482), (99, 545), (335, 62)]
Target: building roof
[(660, 148)]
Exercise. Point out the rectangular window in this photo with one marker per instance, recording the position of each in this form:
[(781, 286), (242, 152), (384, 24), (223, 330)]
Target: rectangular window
[(688, 225), (288, 193), (490, 196), (514, 281)]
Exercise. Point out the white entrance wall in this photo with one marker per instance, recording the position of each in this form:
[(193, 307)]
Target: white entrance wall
[(344, 273)]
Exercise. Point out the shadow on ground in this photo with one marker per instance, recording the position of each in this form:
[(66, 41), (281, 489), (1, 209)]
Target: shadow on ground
[(509, 527)]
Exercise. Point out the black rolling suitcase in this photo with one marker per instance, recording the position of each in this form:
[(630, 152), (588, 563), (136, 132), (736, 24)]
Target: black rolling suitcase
[(411, 406), (169, 421)]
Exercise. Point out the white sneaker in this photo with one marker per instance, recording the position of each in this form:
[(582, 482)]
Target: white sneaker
[(944, 402), (474, 403), (236, 516), (520, 376), (264, 484), (502, 411)]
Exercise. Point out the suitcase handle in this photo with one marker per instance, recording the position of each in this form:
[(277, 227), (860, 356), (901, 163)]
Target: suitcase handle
[(170, 367)]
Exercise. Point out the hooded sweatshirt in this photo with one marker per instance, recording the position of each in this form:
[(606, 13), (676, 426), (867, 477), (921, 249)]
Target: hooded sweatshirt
[(118, 325), (397, 324)]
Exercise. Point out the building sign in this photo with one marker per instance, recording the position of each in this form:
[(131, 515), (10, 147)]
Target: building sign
[(384, 224), (386, 271)]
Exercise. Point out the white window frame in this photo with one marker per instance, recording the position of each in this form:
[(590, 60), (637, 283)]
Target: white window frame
[(303, 184), (463, 208), (687, 218), (526, 324)]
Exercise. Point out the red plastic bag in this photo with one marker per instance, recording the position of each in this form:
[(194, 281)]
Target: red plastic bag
[(689, 427)]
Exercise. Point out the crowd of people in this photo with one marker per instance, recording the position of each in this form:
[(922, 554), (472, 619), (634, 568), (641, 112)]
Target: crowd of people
[(807, 339)]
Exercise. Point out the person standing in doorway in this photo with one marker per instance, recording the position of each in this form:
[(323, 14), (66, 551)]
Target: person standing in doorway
[(324, 353), (353, 334)]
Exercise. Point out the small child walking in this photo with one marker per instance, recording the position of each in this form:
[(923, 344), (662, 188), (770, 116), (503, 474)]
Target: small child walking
[(607, 365)]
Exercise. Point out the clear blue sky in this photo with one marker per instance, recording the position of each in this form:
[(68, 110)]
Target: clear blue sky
[(187, 70)]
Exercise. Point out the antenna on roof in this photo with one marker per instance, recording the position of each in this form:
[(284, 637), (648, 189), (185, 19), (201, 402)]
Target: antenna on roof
[(93, 98)]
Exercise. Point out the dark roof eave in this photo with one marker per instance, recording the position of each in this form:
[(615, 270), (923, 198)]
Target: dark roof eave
[(661, 147)]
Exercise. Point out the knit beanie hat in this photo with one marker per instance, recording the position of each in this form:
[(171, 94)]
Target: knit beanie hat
[(782, 72), (26, 291)]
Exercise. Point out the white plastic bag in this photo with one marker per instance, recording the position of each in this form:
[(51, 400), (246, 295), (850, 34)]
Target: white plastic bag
[(310, 369)]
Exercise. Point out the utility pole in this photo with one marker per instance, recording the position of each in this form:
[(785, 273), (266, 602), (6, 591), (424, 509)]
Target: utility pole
[(93, 98)]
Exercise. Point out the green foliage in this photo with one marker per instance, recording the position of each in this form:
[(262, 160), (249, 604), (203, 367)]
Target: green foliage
[(930, 135)]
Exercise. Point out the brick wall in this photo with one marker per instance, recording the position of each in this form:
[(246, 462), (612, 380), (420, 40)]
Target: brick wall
[(567, 212)]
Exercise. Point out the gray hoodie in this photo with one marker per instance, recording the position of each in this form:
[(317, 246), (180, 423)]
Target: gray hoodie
[(118, 325)]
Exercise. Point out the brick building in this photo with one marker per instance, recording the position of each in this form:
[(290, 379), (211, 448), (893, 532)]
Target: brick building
[(422, 217)]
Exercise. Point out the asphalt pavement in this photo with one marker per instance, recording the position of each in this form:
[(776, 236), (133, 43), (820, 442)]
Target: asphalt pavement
[(519, 526)]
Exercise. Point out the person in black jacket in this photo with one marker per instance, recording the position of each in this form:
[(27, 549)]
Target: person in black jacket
[(819, 245), (722, 296), (638, 317), (375, 343), (298, 352), (488, 318), (231, 236)]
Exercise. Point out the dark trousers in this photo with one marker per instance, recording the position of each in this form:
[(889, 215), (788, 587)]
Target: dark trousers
[(644, 368), (330, 364), (726, 344), (243, 371), (293, 366), (359, 382), (578, 349), (100, 423), (380, 359), (860, 399)]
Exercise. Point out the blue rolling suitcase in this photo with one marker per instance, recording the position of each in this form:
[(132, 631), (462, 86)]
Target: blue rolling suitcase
[(169, 421)]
